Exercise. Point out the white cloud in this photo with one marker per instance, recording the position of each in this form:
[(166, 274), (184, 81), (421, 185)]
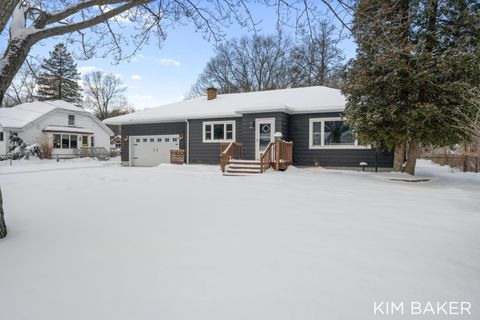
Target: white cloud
[(136, 77), (169, 62), (87, 69)]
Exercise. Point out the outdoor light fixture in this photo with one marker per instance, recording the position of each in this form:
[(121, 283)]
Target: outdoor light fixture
[(363, 165), (278, 136)]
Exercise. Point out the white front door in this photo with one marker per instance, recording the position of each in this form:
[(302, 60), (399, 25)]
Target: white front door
[(264, 130), (149, 151)]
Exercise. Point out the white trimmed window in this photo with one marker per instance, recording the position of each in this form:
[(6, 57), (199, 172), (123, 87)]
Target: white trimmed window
[(331, 133), (65, 141), (219, 131)]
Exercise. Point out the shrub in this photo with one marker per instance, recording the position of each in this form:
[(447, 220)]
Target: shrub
[(45, 146)]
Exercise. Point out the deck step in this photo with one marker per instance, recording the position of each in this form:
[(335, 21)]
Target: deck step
[(245, 161), (234, 170), (237, 174), (237, 167), (244, 166)]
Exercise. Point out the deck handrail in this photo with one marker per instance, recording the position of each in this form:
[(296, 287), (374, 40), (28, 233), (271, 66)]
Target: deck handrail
[(266, 157), (283, 154), (278, 154), (229, 151)]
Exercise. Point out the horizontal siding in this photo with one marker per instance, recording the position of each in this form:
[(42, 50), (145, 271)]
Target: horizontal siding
[(282, 123), (151, 129), (303, 156), (209, 152)]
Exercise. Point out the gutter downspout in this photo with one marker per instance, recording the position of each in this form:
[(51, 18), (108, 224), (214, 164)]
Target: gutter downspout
[(187, 143)]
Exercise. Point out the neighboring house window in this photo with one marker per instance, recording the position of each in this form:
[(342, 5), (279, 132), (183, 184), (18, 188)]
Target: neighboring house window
[(92, 141), (73, 142), (65, 141), (56, 141), (1, 136), (118, 144), (331, 133), (219, 131), (71, 120)]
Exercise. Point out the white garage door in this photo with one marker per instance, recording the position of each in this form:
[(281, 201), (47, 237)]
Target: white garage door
[(149, 151)]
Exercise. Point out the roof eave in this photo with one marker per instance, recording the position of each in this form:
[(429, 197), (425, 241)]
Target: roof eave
[(333, 109), (171, 120)]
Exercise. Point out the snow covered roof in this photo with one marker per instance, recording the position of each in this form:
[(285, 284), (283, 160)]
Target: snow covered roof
[(297, 100), (66, 129), (21, 115)]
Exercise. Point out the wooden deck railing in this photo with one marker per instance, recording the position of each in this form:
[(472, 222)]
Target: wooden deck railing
[(278, 154), (283, 154), (229, 151), (266, 157)]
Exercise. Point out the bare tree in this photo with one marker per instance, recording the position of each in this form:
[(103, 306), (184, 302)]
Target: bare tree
[(33, 21), (97, 25), (273, 62), (6, 11), (318, 60), (3, 226), (23, 87), (467, 119), (104, 94)]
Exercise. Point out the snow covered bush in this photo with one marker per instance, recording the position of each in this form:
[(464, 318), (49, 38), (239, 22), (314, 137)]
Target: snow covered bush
[(18, 149)]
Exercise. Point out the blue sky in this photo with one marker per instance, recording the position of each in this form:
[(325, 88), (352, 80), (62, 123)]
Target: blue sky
[(158, 76)]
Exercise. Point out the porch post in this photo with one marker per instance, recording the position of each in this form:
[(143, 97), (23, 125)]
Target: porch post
[(277, 155)]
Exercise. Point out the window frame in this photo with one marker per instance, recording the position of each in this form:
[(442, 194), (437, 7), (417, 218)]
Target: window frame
[(76, 141), (61, 140), (322, 121), (71, 116), (224, 123)]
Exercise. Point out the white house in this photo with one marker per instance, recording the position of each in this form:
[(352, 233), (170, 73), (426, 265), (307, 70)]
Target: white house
[(66, 127)]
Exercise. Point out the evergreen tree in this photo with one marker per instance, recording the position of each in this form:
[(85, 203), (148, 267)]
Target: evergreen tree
[(59, 76), (416, 62)]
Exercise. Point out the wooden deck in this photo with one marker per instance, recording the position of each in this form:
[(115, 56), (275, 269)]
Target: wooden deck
[(277, 155)]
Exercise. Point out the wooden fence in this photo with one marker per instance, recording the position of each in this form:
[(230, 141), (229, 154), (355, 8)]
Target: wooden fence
[(465, 163)]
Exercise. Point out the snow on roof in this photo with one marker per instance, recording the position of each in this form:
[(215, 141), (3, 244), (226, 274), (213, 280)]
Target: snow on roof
[(23, 114), (297, 100), (66, 129)]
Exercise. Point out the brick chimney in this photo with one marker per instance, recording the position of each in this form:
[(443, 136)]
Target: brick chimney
[(211, 93)]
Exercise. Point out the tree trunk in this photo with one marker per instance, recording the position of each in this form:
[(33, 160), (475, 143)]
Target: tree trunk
[(3, 226), (12, 60), (412, 157), (399, 157), (6, 11)]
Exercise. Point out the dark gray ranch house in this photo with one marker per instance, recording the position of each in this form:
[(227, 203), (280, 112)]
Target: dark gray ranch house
[(308, 117)]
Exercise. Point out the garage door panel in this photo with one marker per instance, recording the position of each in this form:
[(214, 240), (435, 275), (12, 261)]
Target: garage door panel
[(148, 151)]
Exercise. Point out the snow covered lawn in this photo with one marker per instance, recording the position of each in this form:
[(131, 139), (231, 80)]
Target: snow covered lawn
[(92, 240)]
